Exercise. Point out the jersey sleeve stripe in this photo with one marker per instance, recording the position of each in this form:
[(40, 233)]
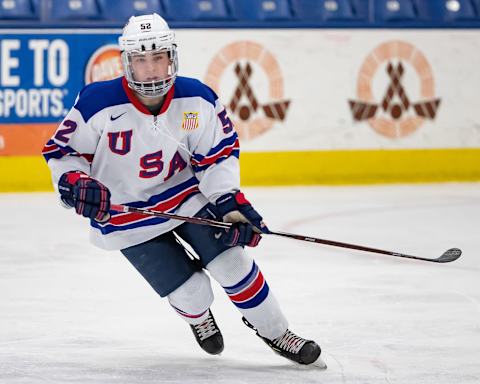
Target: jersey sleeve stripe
[(202, 163), (53, 151), (224, 143)]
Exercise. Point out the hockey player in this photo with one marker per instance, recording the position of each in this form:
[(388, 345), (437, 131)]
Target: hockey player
[(152, 139)]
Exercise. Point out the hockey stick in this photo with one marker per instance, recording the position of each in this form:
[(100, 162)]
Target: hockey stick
[(448, 256)]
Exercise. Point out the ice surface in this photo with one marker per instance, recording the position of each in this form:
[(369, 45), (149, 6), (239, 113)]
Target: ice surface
[(70, 313)]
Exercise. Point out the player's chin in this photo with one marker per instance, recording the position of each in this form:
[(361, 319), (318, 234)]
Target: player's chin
[(154, 79)]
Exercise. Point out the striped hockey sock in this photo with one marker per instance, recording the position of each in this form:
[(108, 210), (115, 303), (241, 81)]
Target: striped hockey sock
[(247, 288), (190, 317), (251, 291)]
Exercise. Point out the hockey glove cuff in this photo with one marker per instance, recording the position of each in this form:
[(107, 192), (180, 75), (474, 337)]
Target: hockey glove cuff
[(234, 207), (89, 197)]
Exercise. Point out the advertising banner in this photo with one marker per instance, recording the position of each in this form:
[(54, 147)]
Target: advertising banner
[(296, 96), (41, 73), (295, 90)]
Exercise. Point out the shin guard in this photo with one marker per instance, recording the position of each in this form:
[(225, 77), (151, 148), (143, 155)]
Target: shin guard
[(246, 286), (193, 298)]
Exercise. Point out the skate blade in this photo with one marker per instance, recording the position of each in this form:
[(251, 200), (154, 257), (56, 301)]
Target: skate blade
[(319, 363)]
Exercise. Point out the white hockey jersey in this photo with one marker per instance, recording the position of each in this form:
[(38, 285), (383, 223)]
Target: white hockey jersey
[(175, 162)]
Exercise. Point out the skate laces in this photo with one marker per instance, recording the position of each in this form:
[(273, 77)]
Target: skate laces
[(289, 342), (206, 329)]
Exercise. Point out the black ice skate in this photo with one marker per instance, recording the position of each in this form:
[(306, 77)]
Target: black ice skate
[(293, 347), (208, 335)]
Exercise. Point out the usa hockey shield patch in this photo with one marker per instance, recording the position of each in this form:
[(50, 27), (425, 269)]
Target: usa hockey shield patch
[(190, 121)]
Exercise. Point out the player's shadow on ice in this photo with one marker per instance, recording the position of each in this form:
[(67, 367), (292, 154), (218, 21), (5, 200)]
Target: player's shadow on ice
[(185, 370)]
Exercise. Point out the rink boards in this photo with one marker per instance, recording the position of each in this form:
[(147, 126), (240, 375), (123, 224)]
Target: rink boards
[(311, 106)]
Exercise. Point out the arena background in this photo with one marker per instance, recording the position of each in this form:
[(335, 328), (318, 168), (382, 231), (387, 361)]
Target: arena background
[(322, 92)]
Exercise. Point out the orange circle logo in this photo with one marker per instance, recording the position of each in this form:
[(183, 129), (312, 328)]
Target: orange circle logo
[(395, 115), (243, 61), (104, 64)]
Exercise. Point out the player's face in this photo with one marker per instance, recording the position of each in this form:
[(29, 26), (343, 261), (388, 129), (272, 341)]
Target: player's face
[(150, 66)]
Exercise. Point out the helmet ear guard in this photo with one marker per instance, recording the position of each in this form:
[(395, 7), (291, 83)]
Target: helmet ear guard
[(148, 33)]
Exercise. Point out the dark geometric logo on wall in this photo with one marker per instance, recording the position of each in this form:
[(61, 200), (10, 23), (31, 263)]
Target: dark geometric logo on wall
[(276, 111), (251, 117), (395, 115)]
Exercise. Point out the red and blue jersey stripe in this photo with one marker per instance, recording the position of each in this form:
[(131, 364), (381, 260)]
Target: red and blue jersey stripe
[(251, 291), (226, 148), (167, 201), (52, 150)]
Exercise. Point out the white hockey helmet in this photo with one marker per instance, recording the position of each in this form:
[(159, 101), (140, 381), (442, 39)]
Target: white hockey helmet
[(148, 33)]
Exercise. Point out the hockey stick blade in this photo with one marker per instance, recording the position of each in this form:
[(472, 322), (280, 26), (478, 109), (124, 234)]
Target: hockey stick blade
[(450, 255)]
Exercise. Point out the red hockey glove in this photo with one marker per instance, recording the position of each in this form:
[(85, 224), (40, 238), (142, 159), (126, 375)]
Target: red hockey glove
[(89, 197), (234, 207), (241, 234), (248, 224)]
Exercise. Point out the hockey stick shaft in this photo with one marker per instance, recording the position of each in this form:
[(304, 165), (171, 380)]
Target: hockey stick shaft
[(165, 215), (448, 256)]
